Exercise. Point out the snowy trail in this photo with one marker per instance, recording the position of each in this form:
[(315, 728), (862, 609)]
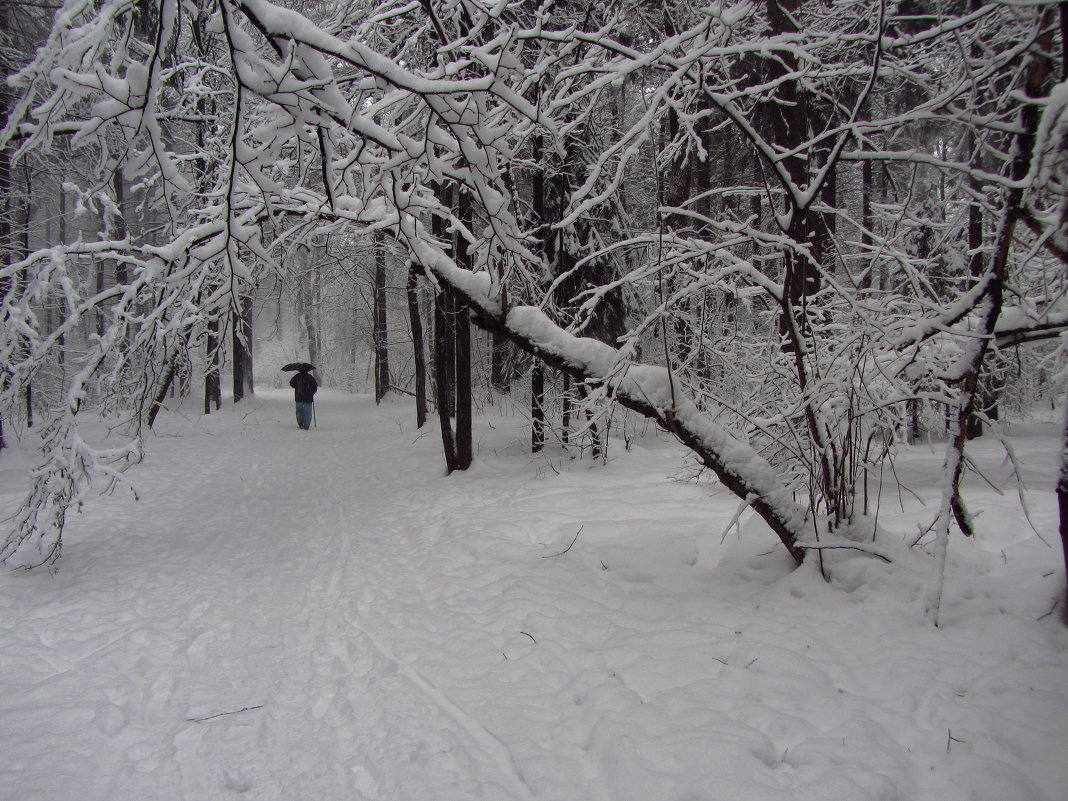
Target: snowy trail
[(340, 689), (291, 615), (230, 678)]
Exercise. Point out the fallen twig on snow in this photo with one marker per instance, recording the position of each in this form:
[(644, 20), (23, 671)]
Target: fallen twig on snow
[(821, 546), (568, 548), (221, 714)]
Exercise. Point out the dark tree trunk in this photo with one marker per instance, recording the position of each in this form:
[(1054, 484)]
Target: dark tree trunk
[(241, 347), (121, 229), (416, 322), (1062, 501), (537, 375), (973, 426), (161, 394), (444, 362), (380, 327), (565, 411), (537, 406), (595, 435), (246, 344), (27, 214), (444, 348), (212, 385), (461, 325)]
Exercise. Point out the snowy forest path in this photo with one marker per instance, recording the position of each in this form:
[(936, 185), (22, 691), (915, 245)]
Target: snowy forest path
[(274, 649)]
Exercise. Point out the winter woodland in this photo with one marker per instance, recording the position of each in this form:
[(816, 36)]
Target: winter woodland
[(740, 327), (795, 234)]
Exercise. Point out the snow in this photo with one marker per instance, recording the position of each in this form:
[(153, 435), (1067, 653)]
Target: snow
[(326, 615)]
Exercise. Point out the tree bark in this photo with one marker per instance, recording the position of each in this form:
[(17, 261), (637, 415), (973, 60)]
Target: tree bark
[(416, 322), (164, 387), (380, 326), (444, 362), (444, 346), (1062, 505), (241, 346), (461, 326), (212, 385), (537, 406)]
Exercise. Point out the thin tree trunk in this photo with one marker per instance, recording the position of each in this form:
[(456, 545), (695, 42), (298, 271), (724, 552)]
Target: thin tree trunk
[(537, 406), (246, 343), (416, 322), (565, 416), (444, 347), (164, 387), (380, 326), (461, 325), (444, 360), (311, 310), (241, 347), (1062, 503), (212, 385), (27, 214)]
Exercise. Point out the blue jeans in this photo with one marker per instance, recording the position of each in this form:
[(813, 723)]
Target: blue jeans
[(304, 415)]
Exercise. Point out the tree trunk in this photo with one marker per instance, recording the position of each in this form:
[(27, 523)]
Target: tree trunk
[(444, 346), (1062, 505), (311, 310), (416, 322), (537, 407), (161, 394), (212, 385), (241, 346), (27, 214), (565, 411), (444, 363), (380, 327), (461, 326), (121, 229)]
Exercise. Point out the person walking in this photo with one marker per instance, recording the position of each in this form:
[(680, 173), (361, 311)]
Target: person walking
[(304, 388)]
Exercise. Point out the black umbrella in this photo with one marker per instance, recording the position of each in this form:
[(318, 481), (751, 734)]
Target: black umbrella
[(302, 367)]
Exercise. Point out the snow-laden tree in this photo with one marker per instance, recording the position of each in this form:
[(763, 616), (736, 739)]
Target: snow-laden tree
[(711, 154)]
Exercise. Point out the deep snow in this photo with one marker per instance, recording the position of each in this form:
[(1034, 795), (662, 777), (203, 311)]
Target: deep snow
[(324, 615)]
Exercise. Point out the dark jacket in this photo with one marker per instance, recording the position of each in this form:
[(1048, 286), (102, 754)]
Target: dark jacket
[(304, 387)]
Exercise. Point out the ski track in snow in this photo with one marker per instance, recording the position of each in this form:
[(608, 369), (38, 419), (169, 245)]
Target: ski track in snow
[(322, 615)]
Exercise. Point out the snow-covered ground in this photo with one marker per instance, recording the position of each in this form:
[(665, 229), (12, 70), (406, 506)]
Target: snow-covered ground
[(323, 615)]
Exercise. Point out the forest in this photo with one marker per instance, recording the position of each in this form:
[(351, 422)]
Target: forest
[(794, 234)]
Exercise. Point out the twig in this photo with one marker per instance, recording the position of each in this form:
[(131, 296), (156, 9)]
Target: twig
[(568, 548), (1052, 609), (221, 714), (828, 547), (951, 739)]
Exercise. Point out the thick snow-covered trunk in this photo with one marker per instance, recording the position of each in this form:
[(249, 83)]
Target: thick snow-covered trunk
[(648, 390)]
